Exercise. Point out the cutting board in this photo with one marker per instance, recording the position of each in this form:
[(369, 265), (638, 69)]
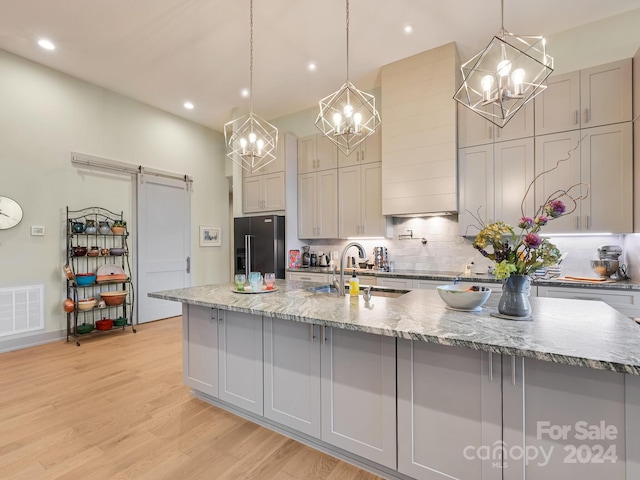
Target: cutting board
[(587, 279)]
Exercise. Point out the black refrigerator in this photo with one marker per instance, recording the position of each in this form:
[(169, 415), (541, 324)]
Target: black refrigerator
[(259, 240)]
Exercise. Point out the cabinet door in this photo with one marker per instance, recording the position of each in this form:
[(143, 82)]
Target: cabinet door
[(428, 284), (402, 283), (605, 93), (327, 204), (350, 160), (349, 197), (449, 407), (292, 374), (473, 129), (307, 198), (607, 166), (200, 348), (371, 148), (277, 165), (373, 223), (521, 125), (558, 107), (359, 394), (548, 407), (326, 153), (252, 194), (475, 187), (306, 154), (549, 150), (308, 277), (240, 374), (273, 191), (513, 174)]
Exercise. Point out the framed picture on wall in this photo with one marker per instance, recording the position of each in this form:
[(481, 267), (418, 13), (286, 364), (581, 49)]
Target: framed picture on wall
[(210, 236)]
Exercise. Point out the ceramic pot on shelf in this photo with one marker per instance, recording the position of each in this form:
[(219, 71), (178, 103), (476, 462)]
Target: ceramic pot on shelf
[(77, 227), (104, 228), (91, 228)]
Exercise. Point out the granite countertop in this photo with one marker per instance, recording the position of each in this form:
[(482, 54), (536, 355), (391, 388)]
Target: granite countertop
[(574, 332), (482, 278)]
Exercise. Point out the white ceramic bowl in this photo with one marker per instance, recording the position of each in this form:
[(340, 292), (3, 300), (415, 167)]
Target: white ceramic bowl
[(462, 296)]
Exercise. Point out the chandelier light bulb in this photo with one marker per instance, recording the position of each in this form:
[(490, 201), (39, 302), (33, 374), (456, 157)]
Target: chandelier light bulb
[(348, 110), (518, 81), (487, 83), (252, 137), (504, 68), (337, 120), (357, 120)]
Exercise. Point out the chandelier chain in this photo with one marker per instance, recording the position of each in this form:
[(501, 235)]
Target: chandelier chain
[(347, 41), (251, 56)]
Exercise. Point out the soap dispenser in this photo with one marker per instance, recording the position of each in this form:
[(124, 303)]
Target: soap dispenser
[(354, 285)]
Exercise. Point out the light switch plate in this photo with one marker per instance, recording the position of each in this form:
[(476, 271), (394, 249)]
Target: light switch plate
[(37, 231)]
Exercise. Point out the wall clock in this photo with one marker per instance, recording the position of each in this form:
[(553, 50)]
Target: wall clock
[(10, 213)]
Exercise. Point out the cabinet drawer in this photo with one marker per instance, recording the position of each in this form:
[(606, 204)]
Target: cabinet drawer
[(626, 302), (308, 277)]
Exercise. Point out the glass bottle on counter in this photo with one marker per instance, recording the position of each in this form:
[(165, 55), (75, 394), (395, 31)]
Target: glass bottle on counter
[(354, 285)]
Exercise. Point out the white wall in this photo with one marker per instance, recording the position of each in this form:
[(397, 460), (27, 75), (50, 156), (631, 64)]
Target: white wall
[(44, 116)]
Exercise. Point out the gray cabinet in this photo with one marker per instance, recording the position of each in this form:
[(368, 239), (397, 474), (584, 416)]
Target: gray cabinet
[(318, 204), (605, 162), (359, 394), (315, 153), (626, 302), (240, 360), (200, 348), (292, 374), (587, 98), (360, 201), (449, 407), (570, 421), (263, 193)]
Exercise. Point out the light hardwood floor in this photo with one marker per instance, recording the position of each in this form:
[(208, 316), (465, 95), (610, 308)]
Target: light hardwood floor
[(116, 408)]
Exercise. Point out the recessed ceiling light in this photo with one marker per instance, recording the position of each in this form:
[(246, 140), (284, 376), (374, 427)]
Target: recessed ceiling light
[(408, 29), (188, 105), (244, 92), (312, 66), (46, 44)]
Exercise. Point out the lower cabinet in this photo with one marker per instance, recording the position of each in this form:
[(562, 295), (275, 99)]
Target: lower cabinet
[(471, 415), (292, 374), (569, 422), (625, 301), (404, 283), (449, 405), (240, 360), (200, 348), (359, 394)]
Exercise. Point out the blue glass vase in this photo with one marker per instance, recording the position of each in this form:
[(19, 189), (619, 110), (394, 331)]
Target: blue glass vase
[(514, 301)]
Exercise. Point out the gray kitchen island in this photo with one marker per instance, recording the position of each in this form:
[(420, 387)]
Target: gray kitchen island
[(408, 388)]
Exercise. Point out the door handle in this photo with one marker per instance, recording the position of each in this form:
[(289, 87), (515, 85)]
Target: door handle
[(490, 366), (513, 370), (311, 332), (188, 264)]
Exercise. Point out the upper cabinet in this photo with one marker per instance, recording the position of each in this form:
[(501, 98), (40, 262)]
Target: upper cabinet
[(359, 204), (474, 130), (265, 190), (604, 161), (588, 98), (419, 134), (367, 152), (316, 152)]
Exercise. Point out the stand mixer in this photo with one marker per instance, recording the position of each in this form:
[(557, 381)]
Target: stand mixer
[(608, 263)]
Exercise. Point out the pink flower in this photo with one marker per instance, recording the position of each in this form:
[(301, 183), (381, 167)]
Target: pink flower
[(532, 240), (554, 208), (525, 222), (541, 220)]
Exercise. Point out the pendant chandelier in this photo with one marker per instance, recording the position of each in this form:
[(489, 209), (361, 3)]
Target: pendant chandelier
[(507, 74), (251, 141), (348, 116)]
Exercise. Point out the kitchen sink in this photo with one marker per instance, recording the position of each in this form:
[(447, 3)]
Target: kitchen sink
[(375, 291)]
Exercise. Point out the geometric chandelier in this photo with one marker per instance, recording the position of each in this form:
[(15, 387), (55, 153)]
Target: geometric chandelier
[(348, 116), (507, 74), (251, 141)]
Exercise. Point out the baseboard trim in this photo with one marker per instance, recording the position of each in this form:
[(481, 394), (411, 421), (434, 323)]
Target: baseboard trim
[(10, 344)]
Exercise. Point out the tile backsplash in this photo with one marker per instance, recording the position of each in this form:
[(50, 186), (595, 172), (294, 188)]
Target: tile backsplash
[(446, 250)]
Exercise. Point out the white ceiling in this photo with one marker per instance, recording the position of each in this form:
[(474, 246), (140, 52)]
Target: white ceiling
[(164, 52)]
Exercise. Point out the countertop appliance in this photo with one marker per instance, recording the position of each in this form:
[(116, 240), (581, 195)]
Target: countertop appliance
[(608, 262), (258, 244)]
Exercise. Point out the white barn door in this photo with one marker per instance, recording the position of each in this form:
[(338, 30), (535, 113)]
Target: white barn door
[(164, 243)]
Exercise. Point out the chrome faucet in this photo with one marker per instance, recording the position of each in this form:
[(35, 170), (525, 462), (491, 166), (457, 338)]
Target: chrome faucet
[(361, 254)]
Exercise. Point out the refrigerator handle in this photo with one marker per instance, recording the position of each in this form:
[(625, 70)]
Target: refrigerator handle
[(247, 250), (188, 264)]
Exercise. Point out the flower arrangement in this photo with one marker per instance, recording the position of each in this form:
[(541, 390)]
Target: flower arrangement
[(527, 251)]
